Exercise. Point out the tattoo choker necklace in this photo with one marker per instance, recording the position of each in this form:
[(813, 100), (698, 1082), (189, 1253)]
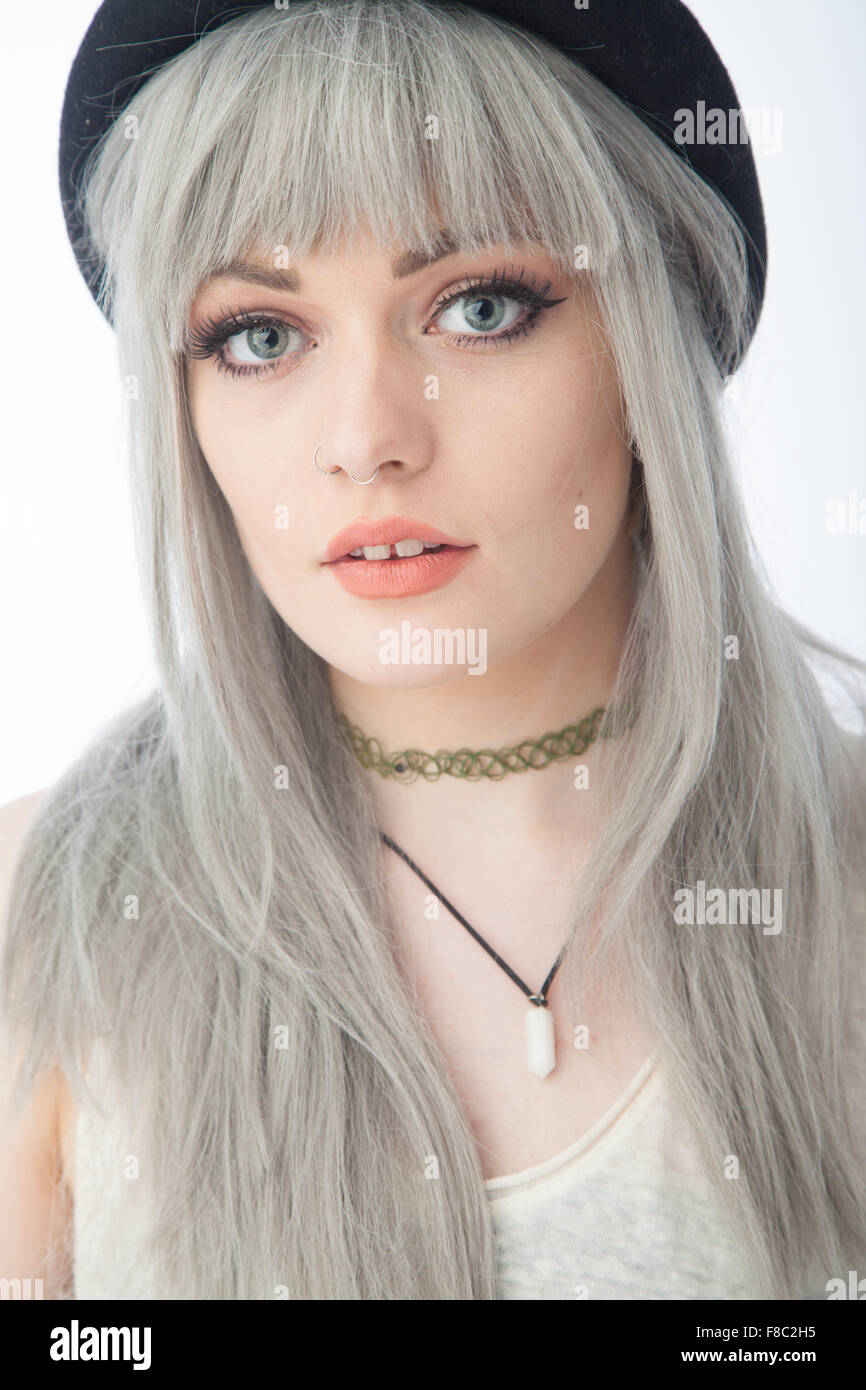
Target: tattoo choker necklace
[(573, 739)]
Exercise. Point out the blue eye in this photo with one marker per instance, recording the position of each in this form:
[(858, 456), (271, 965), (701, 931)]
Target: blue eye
[(264, 340), (260, 342), (481, 302), (483, 312)]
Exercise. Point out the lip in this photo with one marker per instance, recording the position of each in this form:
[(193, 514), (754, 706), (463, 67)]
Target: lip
[(387, 531), (399, 577)]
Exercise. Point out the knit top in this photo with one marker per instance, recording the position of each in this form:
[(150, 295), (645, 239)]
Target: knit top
[(623, 1213)]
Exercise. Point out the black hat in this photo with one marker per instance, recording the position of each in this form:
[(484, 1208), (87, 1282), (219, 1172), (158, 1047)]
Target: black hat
[(651, 53)]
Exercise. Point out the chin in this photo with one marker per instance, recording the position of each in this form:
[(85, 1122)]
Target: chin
[(400, 677)]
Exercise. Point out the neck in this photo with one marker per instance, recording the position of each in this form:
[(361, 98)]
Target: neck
[(567, 672)]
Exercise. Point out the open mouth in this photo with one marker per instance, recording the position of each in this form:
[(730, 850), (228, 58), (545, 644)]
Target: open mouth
[(402, 550), (394, 557), (401, 570)]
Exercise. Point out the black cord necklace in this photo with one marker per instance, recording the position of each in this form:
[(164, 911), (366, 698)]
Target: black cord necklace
[(540, 1040)]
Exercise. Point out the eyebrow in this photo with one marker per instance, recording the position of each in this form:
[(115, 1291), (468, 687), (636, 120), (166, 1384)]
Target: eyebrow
[(289, 281)]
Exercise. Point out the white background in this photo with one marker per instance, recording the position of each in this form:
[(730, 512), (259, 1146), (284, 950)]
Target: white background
[(74, 637)]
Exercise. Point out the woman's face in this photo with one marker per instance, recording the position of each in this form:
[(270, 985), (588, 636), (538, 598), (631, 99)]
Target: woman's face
[(496, 423)]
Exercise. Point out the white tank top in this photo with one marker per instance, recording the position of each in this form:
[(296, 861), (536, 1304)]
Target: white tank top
[(621, 1214)]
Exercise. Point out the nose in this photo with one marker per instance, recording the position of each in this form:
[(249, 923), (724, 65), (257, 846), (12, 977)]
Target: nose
[(362, 481), (377, 419)]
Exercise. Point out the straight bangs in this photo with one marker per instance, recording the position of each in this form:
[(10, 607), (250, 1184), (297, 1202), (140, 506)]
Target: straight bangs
[(289, 130)]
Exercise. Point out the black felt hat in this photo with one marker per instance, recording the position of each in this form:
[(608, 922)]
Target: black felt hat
[(651, 53)]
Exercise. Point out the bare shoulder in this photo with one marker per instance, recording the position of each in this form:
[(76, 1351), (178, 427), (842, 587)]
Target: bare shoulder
[(16, 818), (36, 1212), (46, 1124)]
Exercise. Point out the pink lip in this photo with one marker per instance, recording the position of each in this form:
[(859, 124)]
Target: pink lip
[(386, 532), (400, 576)]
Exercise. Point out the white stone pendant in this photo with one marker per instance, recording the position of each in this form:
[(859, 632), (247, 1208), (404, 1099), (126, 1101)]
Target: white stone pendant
[(540, 1041)]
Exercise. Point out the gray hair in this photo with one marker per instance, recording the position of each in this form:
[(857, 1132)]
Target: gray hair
[(263, 908)]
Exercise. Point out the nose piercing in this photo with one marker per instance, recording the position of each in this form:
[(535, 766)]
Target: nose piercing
[(328, 471), (323, 470)]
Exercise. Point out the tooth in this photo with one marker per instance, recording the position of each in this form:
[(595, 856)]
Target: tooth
[(432, 545), (359, 551), (376, 552), (409, 547)]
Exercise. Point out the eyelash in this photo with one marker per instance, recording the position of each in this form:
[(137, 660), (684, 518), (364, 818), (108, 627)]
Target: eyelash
[(210, 337)]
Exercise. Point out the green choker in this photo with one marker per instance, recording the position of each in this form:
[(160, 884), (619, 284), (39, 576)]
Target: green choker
[(571, 741)]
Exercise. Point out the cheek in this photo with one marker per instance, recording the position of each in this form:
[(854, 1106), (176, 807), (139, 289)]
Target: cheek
[(561, 446), (596, 461), (249, 461)]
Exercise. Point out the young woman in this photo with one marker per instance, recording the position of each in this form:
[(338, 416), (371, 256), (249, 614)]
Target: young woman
[(475, 910)]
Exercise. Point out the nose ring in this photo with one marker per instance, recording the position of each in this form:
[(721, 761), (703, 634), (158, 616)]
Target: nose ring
[(323, 470), (328, 471)]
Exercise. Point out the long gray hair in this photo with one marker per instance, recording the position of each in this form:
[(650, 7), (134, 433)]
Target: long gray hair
[(225, 935)]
